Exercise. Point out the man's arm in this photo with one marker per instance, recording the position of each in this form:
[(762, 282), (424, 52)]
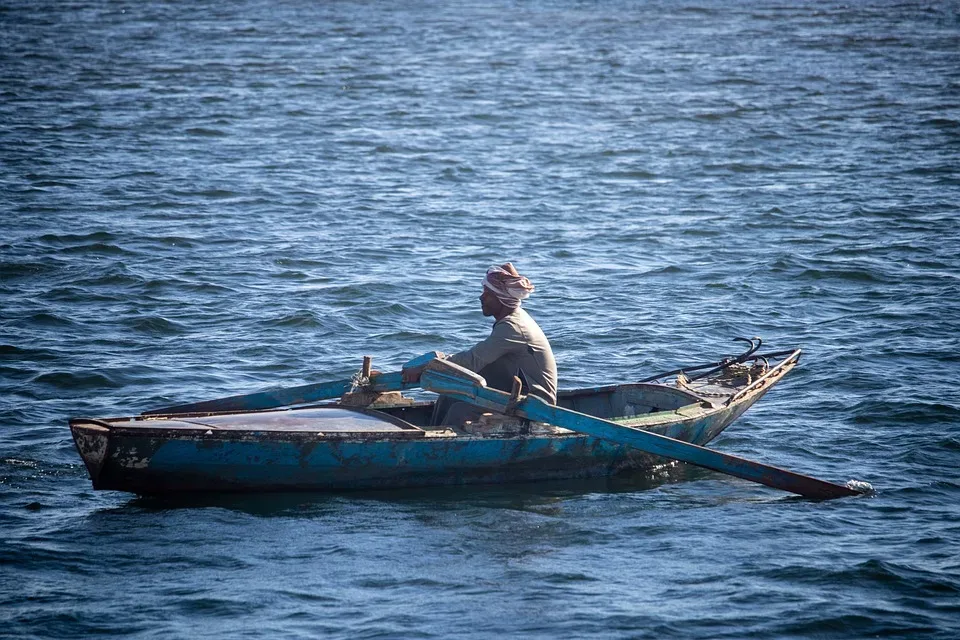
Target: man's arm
[(502, 340)]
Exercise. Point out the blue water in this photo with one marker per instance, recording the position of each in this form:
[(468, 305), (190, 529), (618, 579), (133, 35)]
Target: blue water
[(208, 198)]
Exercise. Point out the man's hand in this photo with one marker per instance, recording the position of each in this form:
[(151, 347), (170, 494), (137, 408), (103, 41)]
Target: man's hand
[(411, 374)]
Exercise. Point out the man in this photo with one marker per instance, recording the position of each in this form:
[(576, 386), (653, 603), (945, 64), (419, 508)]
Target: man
[(516, 346)]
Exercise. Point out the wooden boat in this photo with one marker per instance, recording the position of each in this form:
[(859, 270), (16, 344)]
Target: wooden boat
[(391, 440)]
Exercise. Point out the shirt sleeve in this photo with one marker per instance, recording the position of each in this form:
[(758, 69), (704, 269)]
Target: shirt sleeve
[(504, 339)]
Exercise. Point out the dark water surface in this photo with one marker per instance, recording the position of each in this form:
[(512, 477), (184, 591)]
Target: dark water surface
[(208, 198)]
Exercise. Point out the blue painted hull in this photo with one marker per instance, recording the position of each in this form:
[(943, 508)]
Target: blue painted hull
[(150, 463)]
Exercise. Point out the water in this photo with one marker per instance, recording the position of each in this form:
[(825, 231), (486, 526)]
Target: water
[(209, 198)]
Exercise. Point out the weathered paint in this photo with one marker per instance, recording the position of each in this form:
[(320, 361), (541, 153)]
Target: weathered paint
[(451, 380), (248, 462), (157, 460), (92, 442)]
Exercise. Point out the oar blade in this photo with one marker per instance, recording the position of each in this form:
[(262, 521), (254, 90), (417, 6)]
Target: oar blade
[(765, 474)]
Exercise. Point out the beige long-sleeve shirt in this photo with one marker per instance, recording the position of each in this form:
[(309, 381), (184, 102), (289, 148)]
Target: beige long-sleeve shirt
[(516, 343)]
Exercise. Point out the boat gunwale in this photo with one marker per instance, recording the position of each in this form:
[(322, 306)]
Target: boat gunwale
[(704, 408), (120, 422), (606, 388), (774, 373)]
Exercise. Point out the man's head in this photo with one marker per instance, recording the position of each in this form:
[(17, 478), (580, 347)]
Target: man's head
[(490, 305), (503, 289)]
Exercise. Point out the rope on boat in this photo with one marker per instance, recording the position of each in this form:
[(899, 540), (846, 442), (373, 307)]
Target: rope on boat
[(361, 379), (721, 364), (739, 359), (358, 381), (732, 373)]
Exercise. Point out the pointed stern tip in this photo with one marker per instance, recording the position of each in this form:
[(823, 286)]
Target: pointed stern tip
[(92, 441)]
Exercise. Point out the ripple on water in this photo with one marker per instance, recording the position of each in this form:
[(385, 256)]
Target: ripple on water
[(47, 320), (303, 319), (14, 353), (18, 270), (78, 239), (75, 380), (877, 575), (156, 326), (879, 412)]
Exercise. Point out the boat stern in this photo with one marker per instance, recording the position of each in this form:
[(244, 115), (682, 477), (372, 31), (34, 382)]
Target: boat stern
[(93, 442)]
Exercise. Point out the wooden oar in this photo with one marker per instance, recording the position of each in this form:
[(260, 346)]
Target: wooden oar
[(378, 382), (451, 380)]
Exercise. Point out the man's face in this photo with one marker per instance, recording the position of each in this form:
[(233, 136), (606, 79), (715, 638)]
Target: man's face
[(490, 305)]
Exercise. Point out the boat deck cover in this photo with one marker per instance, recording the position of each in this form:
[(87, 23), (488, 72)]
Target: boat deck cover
[(325, 419)]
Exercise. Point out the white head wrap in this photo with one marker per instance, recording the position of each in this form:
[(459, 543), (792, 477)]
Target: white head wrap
[(508, 285)]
